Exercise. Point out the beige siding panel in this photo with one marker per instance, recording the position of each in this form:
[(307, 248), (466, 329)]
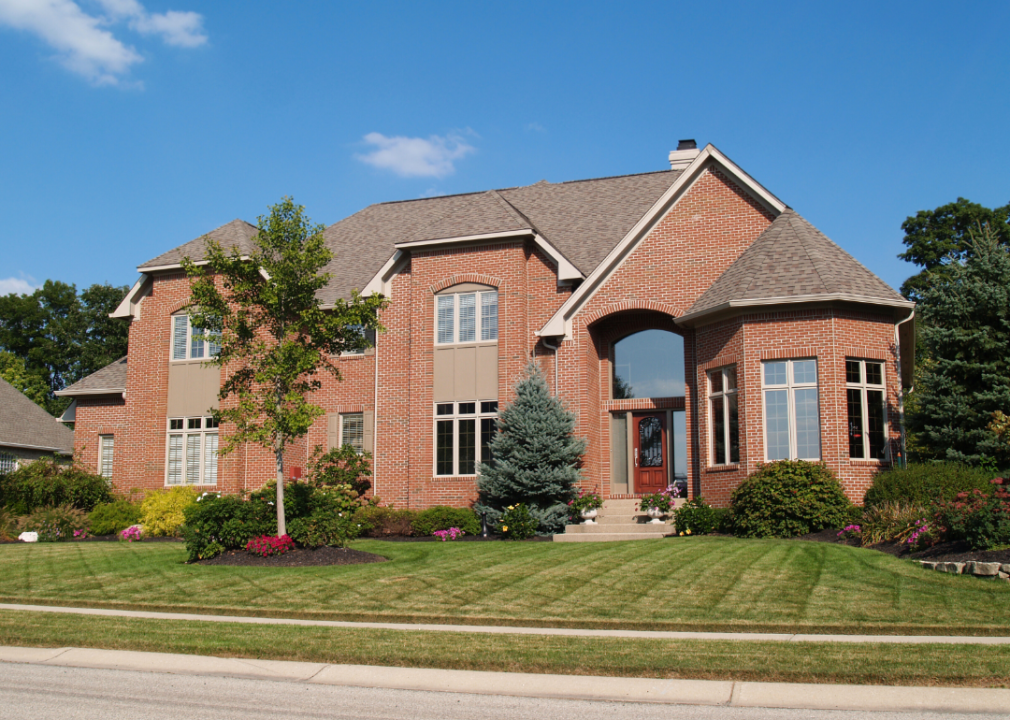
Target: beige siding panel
[(487, 372), (192, 389), (444, 380), (466, 373), (369, 430)]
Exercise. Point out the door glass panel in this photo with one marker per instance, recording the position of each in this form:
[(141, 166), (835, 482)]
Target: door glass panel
[(649, 364), (650, 439), (680, 451), (619, 453)]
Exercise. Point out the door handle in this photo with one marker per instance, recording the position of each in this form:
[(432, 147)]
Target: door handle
[(636, 457)]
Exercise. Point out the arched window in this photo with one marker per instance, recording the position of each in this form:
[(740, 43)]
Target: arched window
[(648, 364)]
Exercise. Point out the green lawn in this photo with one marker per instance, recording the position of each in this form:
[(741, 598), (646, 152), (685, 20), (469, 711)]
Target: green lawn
[(683, 583)]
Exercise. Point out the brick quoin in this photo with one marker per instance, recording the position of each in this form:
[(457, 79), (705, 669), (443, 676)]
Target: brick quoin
[(679, 258)]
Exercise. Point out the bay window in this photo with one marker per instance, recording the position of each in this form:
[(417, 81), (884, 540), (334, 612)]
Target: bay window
[(792, 416), (724, 416), (866, 397)]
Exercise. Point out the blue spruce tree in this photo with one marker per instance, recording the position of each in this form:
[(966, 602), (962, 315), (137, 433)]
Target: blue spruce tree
[(535, 457)]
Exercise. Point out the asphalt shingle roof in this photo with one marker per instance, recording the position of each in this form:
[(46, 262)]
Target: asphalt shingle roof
[(792, 258), (110, 379), (236, 234), (25, 424)]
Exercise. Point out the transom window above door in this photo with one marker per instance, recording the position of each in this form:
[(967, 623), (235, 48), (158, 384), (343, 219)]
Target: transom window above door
[(648, 364), (466, 317)]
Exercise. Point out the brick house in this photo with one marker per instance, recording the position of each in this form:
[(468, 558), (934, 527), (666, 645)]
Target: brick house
[(696, 324)]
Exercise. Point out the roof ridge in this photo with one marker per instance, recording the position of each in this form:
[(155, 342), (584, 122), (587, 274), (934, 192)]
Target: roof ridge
[(790, 214), (515, 212)]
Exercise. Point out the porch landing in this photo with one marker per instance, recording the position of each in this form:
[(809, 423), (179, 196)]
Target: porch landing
[(618, 519)]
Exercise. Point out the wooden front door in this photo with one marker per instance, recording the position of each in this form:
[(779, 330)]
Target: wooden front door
[(650, 453)]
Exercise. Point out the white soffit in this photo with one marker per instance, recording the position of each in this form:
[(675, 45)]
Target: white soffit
[(560, 322), (382, 281), (130, 306)]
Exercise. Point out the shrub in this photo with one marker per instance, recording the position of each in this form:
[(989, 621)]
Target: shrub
[(982, 520), (110, 518), (924, 484), (450, 534), (50, 482), (9, 529), (443, 517), (696, 517), (268, 545), (340, 466), (890, 522), (134, 532), (329, 519), (162, 512), (789, 498), (379, 521), (56, 524), (217, 523), (516, 523)]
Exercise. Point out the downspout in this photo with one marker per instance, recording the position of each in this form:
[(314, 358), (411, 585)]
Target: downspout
[(375, 419), (901, 390), (555, 349)]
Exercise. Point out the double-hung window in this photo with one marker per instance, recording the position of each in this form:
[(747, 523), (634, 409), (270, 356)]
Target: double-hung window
[(191, 343), (724, 416), (463, 432), (466, 317), (866, 398), (8, 462), (192, 451), (106, 446), (367, 340), (352, 431), (792, 417)]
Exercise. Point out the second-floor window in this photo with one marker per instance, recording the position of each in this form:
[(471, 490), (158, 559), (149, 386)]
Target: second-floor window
[(466, 317), (190, 343)]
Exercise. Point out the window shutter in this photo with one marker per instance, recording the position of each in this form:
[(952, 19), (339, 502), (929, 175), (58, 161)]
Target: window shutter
[(332, 431), (179, 337), (369, 422)]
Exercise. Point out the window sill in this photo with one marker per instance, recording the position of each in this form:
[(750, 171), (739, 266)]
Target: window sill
[(722, 468), (454, 477), (192, 485), (475, 343), (868, 463), (193, 361)]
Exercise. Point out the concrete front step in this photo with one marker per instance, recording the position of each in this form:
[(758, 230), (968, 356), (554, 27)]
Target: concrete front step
[(622, 519), (627, 528), (607, 537)]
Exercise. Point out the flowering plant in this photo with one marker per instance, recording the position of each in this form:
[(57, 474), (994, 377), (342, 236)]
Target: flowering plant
[(584, 502), (921, 536), (663, 500), (267, 545), (134, 532), (850, 532), (516, 523), (450, 534), (80, 534)]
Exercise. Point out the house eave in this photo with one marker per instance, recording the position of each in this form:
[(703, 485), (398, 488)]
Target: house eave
[(734, 307), (24, 446)]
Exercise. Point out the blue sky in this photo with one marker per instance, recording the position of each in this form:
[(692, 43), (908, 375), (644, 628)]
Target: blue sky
[(128, 127)]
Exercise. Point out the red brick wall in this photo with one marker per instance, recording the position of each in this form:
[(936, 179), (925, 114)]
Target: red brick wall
[(102, 415)]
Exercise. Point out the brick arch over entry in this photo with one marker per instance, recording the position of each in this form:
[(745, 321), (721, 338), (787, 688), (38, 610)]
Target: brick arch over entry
[(630, 305), (466, 278)]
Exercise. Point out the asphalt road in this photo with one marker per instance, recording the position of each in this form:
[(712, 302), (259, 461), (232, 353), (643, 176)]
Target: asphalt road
[(39, 692)]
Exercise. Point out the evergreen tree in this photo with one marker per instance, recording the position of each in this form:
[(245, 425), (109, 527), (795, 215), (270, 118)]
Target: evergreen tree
[(535, 457), (966, 371)]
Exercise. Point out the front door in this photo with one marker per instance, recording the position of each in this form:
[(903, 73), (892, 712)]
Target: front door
[(650, 453)]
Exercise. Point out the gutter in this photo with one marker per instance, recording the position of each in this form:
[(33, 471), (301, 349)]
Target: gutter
[(901, 387), (555, 349)]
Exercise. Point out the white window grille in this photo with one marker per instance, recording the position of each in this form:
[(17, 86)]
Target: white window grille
[(792, 416), (192, 451), (106, 445), (8, 462), (866, 398), (457, 319), (463, 434), (724, 416), (352, 431), (190, 343)]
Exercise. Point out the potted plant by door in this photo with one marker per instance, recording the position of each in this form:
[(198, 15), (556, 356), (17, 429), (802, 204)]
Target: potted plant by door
[(656, 505), (585, 507)]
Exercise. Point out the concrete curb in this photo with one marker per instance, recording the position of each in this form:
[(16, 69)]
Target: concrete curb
[(565, 687), (510, 630)]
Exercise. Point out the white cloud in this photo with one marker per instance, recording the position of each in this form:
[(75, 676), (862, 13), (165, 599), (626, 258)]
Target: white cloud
[(535, 127), (416, 157), (83, 42), (20, 285)]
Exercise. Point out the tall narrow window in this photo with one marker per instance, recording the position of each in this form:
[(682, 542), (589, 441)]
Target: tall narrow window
[(792, 417), (724, 414), (466, 317), (106, 446), (866, 397), (459, 449), (191, 452), (352, 431)]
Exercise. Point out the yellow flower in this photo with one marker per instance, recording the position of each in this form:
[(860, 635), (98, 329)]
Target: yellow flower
[(681, 533), (512, 507), (689, 531), (504, 528)]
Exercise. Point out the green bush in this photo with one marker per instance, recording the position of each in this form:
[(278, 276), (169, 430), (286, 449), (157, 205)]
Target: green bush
[(443, 517), (926, 484), (111, 518), (50, 482), (56, 524), (517, 523), (340, 466), (891, 522), (330, 518), (696, 517), (789, 498), (980, 519), (216, 523), (378, 521), (162, 512)]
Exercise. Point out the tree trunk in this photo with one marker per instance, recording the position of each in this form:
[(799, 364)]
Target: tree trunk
[(282, 528)]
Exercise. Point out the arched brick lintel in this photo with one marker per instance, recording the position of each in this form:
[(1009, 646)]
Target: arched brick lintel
[(466, 278), (627, 305)]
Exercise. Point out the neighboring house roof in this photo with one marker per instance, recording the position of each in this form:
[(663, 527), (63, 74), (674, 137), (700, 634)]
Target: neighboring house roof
[(23, 424), (110, 380), (792, 261), (236, 234)]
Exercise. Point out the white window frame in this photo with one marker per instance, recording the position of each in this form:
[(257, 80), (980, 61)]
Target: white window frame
[(105, 462), (207, 447), (360, 447), (479, 329), (791, 386), (864, 386), (369, 335), (207, 345), (725, 394), (8, 462), (482, 411)]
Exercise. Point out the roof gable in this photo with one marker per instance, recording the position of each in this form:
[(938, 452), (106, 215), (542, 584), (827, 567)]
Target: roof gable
[(109, 380), (237, 234), (25, 424)]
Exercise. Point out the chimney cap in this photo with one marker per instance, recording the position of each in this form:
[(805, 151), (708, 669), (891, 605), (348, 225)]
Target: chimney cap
[(687, 145), (684, 155)]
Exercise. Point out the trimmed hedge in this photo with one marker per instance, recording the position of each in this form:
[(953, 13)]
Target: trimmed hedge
[(49, 482), (789, 498), (377, 521), (443, 517), (114, 517), (925, 484)]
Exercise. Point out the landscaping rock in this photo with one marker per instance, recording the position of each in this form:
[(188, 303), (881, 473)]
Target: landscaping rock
[(984, 569), (926, 564), (1005, 568), (954, 568), (1004, 576)]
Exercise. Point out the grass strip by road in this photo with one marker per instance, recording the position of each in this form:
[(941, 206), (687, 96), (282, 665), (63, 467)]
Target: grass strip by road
[(705, 584), (875, 664)]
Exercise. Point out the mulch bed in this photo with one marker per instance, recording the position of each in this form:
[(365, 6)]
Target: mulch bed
[(942, 552), (465, 538), (299, 557)]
